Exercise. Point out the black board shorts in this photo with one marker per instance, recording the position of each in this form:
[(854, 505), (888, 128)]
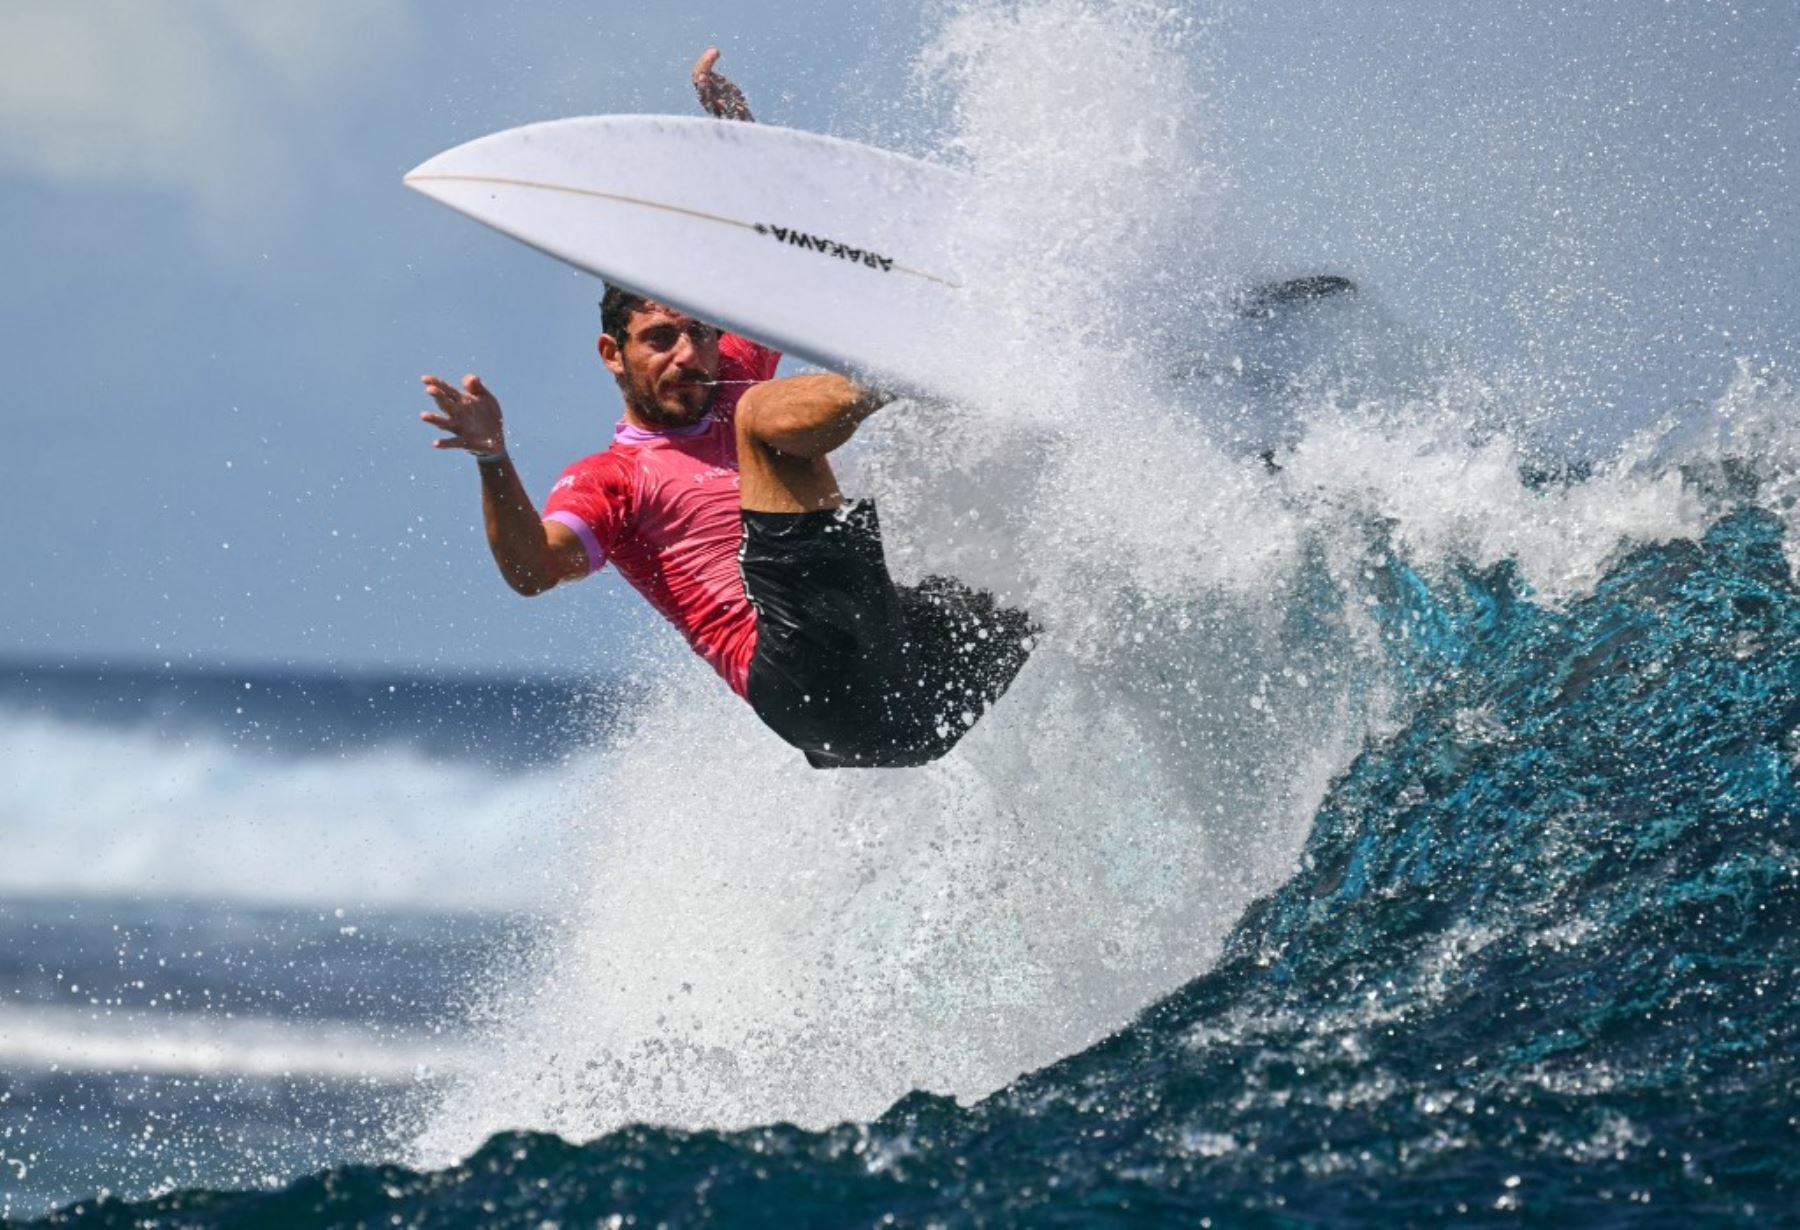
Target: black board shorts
[(854, 670)]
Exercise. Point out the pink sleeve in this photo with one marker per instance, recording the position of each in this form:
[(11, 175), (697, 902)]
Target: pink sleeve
[(742, 359), (593, 498), (742, 363)]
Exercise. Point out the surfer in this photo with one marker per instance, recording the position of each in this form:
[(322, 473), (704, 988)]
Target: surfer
[(717, 501)]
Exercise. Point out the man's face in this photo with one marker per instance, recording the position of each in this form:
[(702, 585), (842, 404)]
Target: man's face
[(666, 367)]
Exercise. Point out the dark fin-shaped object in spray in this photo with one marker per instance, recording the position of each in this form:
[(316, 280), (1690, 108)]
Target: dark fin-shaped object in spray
[(1262, 302), (1270, 303)]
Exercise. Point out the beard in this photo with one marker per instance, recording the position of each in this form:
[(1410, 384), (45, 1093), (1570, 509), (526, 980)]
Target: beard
[(658, 411)]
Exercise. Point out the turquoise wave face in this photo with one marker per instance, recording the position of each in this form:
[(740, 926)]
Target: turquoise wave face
[(1538, 959)]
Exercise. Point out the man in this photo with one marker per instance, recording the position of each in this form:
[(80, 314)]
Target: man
[(717, 502)]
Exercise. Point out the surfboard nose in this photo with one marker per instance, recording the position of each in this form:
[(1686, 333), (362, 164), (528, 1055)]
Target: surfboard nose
[(513, 152), (429, 176)]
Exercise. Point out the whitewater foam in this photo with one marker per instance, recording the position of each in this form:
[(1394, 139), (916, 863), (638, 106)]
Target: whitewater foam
[(92, 810), (102, 1040)]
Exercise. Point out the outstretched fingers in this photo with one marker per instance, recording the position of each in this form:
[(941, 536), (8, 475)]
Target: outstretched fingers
[(451, 403), (445, 395), (468, 416)]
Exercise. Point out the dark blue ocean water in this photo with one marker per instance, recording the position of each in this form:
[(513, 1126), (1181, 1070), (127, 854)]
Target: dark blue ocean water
[(1537, 965)]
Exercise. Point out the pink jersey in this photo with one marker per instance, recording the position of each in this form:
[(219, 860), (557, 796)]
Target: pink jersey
[(663, 507)]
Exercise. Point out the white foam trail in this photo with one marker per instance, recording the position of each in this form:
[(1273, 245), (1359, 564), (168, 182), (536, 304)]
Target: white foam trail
[(748, 940), (101, 1040), (97, 811)]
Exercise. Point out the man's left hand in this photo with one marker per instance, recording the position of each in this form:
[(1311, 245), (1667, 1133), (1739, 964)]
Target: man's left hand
[(718, 95)]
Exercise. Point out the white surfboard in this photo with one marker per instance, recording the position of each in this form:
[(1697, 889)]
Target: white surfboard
[(832, 251)]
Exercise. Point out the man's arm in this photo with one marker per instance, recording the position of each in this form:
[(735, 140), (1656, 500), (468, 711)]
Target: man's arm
[(533, 555), (807, 416), (721, 99)]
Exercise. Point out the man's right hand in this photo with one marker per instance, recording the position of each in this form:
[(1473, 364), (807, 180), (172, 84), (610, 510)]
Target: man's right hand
[(533, 555), (471, 415), (722, 99)]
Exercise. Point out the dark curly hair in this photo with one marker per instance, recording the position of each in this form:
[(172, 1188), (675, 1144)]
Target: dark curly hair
[(616, 308)]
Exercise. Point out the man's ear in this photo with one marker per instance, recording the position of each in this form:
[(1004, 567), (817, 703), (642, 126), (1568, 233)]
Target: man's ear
[(609, 355)]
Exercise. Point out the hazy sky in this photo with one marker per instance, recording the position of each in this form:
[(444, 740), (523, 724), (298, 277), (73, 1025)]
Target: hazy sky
[(218, 296)]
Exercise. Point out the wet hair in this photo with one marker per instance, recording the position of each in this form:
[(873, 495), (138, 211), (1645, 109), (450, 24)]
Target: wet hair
[(616, 309)]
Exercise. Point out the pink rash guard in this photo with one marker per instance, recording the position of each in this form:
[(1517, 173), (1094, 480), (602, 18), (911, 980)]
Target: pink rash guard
[(663, 507)]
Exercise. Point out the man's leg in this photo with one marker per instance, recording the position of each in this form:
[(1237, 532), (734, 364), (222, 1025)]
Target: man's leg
[(841, 669), (831, 637), (786, 429)]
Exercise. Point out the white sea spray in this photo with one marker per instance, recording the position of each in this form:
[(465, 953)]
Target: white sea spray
[(745, 940)]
